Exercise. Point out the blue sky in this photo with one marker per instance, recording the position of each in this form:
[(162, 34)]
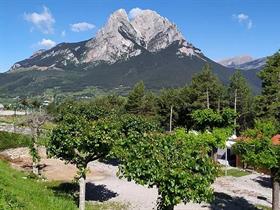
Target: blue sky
[(220, 28)]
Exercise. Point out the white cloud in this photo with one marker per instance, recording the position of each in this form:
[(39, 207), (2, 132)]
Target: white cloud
[(134, 12), (63, 33), (47, 43), (82, 26), (250, 24), (243, 19), (43, 21)]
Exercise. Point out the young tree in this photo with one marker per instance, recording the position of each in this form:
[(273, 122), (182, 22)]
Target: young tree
[(79, 140), (35, 121), (269, 101), (176, 163), (258, 150), (240, 92)]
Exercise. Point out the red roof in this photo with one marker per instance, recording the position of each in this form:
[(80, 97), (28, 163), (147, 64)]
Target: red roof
[(276, 139)]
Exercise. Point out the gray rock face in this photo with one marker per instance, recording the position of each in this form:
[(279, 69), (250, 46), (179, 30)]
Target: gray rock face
[(244, 63), (121, 38), (257, 64), (235, 61)]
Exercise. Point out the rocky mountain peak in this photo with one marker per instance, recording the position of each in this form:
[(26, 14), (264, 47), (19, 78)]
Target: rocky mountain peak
[(121, 38), (158, 32)]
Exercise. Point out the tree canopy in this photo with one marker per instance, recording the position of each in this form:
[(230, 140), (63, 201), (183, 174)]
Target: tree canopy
[(176, 163)]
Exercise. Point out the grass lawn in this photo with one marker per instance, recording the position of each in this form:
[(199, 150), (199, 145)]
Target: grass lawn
[(13, 140), (19, 191), (261, 207), (235, 172)]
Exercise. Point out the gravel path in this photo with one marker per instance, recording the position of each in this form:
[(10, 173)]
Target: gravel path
[(231, 193)]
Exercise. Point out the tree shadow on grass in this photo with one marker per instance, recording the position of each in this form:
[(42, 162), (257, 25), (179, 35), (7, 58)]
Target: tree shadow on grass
[(263, 181), (98, 192), (226, 202), (67, 189)]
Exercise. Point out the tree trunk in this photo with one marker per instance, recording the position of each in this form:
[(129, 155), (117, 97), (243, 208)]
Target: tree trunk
[(214, 154), (82, 198), (34, 152), (35, 169), (170, 119), (275, 191)]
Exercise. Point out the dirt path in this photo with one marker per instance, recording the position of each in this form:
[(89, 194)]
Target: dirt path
[(103, 184)]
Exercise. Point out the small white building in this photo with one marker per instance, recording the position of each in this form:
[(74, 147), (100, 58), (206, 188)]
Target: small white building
[(1, 107)]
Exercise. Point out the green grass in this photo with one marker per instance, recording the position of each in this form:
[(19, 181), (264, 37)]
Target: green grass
[(261, 207), (13, 119), (18, 191), (236, 172), (108, 205), (13, 140)]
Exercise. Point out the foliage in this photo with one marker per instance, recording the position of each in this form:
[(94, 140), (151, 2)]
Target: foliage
[(166, 99), (269, 101), (203, 82), (79, 140), (137, 124), (13, 140), (177, 164), (208, 118), (85, 109), (140, 102), (258, 150), (244, 101)]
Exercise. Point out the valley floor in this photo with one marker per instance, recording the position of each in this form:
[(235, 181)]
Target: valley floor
[(232, 193)]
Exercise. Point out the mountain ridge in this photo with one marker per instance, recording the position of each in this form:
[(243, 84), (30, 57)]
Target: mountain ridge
[(120, 38), (148, 47)]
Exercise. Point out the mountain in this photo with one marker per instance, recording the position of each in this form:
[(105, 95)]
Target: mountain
[(244, 63), (147, 47), (235, 61), (257, 64), (120, 39)]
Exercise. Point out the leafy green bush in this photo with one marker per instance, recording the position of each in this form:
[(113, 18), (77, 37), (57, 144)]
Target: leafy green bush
[(13, 140)]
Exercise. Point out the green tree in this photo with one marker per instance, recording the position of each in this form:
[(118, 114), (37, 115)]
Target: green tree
[(240, 91), (269, 101), (35, 121), (258, 150), (140, 101), (176, 163), (207, 90), (167, 99), (80, 140), (207, 119), (219, 124)]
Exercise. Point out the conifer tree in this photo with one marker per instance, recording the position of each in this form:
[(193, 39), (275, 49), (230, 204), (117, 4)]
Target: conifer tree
[(269, 101)]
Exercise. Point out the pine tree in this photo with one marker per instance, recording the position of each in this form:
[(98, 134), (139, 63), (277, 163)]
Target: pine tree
[(240, 91), (140, 101), (269, 101), (207, 91)]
